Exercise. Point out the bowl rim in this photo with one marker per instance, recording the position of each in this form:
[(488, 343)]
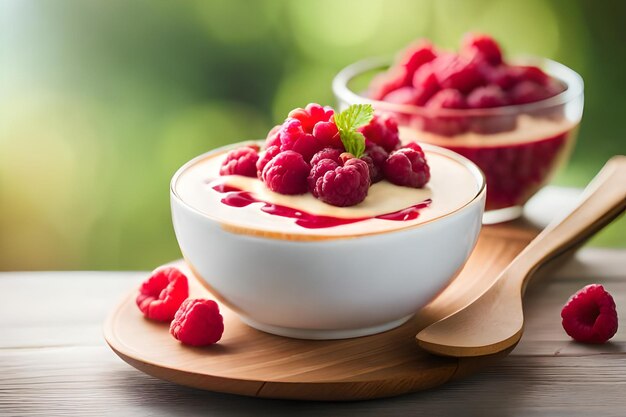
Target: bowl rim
[(573, 81), (478, 175)]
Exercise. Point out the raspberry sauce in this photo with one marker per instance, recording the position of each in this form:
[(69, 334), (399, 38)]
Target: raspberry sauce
[(238, 198), (515, 171)]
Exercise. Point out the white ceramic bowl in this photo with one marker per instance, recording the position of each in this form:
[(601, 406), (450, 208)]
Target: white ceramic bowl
[(331, 288)]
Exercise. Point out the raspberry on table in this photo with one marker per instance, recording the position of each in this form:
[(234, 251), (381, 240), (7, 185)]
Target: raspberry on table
[(383, 131), (265, 157), (375, 157), (484, 45), (286, 173), (162, 293), (590, 315), (407, 167), (240, 161), (340, 185), (198, 322)]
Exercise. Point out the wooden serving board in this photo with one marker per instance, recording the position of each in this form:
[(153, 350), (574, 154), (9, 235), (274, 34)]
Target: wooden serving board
[(249, 362)]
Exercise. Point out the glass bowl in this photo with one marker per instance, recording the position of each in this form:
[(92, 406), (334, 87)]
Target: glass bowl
[(518, 147)]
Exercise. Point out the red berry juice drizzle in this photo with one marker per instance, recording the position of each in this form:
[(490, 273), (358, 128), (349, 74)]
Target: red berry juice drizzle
[(235, 197)]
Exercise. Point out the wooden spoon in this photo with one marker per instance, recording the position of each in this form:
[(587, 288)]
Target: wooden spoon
[(494, 321)]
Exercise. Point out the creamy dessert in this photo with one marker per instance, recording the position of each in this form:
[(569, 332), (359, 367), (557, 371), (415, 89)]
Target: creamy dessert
[(516, 163), (243, 201), (516, 119), (330, 202)]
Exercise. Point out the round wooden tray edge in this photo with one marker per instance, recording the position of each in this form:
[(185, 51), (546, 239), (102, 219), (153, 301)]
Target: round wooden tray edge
[(348, 390)]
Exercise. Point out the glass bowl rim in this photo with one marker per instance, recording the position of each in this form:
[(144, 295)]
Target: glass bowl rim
[(569, 77)]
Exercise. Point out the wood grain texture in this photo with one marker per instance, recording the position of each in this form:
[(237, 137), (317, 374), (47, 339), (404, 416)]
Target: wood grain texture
[(53, 360), (253, 363)]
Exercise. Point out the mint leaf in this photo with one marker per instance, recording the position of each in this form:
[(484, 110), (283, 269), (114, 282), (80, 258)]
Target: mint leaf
[(355, 116), (354, 142), (348, 121)]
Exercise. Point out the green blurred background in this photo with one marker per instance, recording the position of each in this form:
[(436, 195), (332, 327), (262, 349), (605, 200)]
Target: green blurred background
[(100, 102)]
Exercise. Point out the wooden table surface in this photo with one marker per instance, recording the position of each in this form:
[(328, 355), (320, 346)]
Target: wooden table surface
[(54, 361)]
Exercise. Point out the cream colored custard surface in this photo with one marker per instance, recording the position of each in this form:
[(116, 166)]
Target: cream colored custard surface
[(528, 129), (452, 186)]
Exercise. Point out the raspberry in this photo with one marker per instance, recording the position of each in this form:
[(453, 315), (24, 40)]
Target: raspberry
[(327, 153), (484, 45), (448, 98), (273, 137), (341, 185), (293, 137), (327, 134), (503, 76), (446, 125), (487, 96), (162, 293), (530, 73), (529, 92), (458, 72), (375, 157), (590, 315), (286, 173), (403, 95), (256, 148), (311, 115), (198, 323), (416, 55), (386, 82), (264, 158), (308, 130), (240, 161), (425, 83), (417, 148), (318, 170), (407, 167), (383, 131)]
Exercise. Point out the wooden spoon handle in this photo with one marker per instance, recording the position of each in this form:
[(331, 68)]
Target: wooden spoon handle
[(602, 201)]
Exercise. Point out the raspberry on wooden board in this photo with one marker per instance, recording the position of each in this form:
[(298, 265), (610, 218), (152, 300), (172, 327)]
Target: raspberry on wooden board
[(162, 293), (198, 322)]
